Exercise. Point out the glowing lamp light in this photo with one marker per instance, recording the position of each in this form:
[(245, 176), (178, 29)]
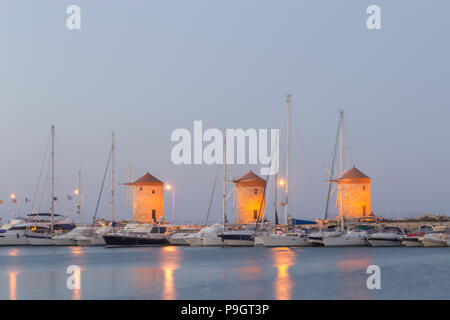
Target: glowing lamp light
[(76, 191), (168, 187), (282, 182), (12, 196)]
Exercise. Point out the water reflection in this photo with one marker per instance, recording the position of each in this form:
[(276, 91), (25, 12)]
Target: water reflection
[(283, 259), (171, 256), (352, 283), (14, 252), (13, 284), (152, 279), (76, 251)]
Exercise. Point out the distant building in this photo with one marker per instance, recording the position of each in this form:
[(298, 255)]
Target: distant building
[(250, 198), (356, 194), (148, 199)]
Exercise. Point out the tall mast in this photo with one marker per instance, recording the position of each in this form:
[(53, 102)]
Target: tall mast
[(286, 187), (52, 204), (341, 169), (224, 195), (80, 200), (275, 185), (112, 181)]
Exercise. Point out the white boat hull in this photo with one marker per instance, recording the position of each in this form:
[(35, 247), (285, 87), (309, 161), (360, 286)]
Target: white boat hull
[(212, 241), (14, 240), (195, 242), (345, 241), (41, 241), (285, 241), (433, 243), (412, 242), (64, 242), (385, 242), (238, 243), (258, 242), (178, 242), (85, 241)]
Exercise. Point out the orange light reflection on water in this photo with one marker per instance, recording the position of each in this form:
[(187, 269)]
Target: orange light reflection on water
[(170, 256), (283, 258), (13, 284)]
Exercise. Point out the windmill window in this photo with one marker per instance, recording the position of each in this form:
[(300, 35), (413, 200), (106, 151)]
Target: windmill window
[(255, 214), (153, 191), (154, 215), (140, 188), (256, 191), (364, 187), (364, 211)]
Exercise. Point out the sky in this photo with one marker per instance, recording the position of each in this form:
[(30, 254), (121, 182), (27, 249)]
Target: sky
[(145, 68)]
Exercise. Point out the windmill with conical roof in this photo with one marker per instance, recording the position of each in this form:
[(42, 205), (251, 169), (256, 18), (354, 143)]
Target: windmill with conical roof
[(250, 198), (148, 199)]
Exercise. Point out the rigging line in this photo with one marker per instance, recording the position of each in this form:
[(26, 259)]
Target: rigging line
[(212, 196), (101, 189), (333, 164), (44, 186), (40, 174)]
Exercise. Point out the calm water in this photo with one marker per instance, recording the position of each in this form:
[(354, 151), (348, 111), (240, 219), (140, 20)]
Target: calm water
[(224, 273)]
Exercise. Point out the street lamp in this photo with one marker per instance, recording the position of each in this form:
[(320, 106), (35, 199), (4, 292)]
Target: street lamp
[(168, 188)]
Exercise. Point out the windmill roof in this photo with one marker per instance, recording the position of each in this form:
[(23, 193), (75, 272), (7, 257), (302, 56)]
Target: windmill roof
[(147, 179), (250, 176), (354, 173)]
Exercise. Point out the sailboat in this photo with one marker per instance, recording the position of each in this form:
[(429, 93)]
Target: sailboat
[(43, 236), (96, 236), (212, 236), (342, 238), (292, 239)]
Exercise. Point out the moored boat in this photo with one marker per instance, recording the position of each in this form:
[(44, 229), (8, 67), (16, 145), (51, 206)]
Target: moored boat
[(357, 236), (414, 238), (238, 238), (437, 238), (156, 235), (387, 237)]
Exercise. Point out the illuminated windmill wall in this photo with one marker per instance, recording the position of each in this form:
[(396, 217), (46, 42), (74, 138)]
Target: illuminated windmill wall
[(148, 199), (356, 194), (249, 197)]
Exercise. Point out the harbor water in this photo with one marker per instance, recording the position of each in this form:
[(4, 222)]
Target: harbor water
[(224, 273)]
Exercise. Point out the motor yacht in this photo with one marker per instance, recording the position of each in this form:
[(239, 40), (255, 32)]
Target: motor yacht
[(414, 238), (316, 238), (207, 236), (387, 237), (70, 238), (238, 238), (179, 238), (144, 235), (94, 237), (437, 238), (356, 236)]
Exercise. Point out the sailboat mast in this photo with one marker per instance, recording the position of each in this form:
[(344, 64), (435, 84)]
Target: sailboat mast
[(80, 200), (224, 195), (341, 169), (286, 187), (52, 203), (112, 181)]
